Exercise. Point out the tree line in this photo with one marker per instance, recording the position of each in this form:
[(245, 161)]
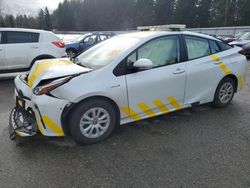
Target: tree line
[(90, 15)]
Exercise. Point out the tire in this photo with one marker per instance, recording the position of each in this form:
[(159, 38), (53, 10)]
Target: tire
[(92, 129), (71, 52), (224, 93)]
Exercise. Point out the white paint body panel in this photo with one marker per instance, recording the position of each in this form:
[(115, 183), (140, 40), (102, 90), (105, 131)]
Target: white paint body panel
[(197, 83), (3, 64), (21, 55), (154, 84)]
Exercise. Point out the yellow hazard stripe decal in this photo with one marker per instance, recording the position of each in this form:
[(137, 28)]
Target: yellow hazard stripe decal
[(40, 67), (174, 103), (39, 126), (241, 81), (159, 104), (37, 71), (225, 69), (215, 58), (146, 109), (222, 66), (130, 112), (53, 126)]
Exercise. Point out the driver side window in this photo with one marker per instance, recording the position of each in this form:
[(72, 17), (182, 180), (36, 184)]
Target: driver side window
[(162, 51)]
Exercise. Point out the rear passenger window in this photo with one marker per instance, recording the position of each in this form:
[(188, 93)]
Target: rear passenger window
[(197, 47), (224, 46), (214, 47), (13, 37)]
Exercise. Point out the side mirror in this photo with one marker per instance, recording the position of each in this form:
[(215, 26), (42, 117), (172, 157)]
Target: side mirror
[(143, 64)]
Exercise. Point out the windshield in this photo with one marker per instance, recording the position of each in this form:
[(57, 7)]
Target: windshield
[(80, 38), (246, 36), (106, 51), (239, 34)]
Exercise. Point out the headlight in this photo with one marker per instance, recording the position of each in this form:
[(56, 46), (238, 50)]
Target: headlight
[(45, 89)]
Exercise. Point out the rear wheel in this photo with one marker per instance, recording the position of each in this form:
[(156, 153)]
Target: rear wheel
[(224, 92), (92, 121)]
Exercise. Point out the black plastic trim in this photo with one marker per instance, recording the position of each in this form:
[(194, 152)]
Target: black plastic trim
[(64, 116), (14, 70)]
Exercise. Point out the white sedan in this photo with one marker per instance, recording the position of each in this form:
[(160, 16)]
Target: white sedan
[(127, 78)]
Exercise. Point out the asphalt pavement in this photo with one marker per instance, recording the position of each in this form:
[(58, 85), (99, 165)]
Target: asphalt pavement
[(196, 147)]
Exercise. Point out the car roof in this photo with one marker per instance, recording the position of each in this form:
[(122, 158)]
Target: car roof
[(103, 33), (153, 34), (23, 29)]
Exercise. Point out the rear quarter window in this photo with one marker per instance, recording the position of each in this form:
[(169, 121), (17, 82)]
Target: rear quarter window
[(214, 47), (15, 37), (223, 46)]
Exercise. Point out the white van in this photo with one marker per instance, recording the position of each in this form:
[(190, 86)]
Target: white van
[(20, 48)]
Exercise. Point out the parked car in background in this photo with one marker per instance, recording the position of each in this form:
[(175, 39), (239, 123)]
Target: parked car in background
[(20, 48), (216, 36), (236, 37), (246, 50), (127, 78), (85, 41), (244, 39)]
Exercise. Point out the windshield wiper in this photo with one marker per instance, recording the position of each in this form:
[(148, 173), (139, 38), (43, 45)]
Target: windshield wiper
[(84, 65), (76, 61)]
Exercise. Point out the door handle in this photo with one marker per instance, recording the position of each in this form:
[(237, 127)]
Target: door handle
[(217, 63), (1, 49), (179, 71), (34, 47)]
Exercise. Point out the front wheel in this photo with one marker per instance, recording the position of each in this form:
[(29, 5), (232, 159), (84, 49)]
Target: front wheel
[(224, 92), (92, 121), (71, 53)]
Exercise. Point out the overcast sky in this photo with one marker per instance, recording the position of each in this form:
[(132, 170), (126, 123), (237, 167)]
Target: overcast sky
[(27, 6)]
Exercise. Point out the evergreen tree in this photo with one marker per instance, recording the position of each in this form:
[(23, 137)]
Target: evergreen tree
[(203, 11), (41, 19), (91, 15), (47, 19), (186, 12), (144, 14), (164, 11)]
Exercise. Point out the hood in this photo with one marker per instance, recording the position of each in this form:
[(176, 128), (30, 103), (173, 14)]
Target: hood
[(53, 68)]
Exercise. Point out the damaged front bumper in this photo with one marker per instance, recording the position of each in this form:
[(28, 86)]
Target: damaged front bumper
[(33, 114), (22, 123)]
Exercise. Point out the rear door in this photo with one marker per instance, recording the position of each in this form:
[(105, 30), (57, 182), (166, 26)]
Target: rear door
[(206, 66), (160, 89), (21, 48), (3, 65)]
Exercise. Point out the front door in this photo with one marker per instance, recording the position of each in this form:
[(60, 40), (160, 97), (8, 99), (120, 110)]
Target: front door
[(88, 42), (161, 88)]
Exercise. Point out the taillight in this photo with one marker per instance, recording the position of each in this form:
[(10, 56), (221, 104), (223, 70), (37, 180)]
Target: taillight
[(59, 44)]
